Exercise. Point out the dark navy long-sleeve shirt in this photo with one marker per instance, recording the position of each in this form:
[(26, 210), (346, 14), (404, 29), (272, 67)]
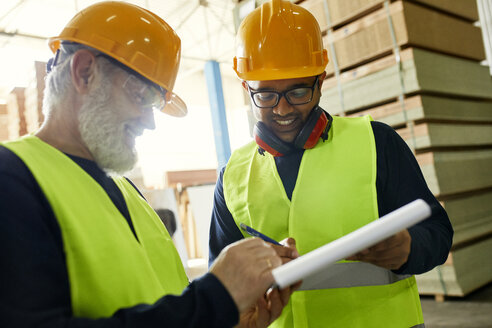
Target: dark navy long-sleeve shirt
[(399, 181), (34, 284)]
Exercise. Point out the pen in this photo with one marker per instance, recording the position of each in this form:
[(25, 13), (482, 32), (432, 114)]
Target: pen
[(252, 232)]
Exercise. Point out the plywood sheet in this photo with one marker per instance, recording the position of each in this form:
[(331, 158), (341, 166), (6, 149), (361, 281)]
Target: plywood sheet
[(453, 172), (413, 25), (430, 108), (421, 71), (342, 11), (466, 270), (470, 215), (438, 135)]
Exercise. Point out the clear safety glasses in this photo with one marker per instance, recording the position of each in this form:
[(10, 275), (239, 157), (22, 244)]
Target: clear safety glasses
[(144, 94)]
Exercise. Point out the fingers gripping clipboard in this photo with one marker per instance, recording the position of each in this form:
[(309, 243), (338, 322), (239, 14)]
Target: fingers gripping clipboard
[(314, 268)]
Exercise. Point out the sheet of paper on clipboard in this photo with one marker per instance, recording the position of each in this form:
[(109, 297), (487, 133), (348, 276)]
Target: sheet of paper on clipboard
[(316, 268)]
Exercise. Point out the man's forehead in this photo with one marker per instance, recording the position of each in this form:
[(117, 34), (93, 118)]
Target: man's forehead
[(281, 84)]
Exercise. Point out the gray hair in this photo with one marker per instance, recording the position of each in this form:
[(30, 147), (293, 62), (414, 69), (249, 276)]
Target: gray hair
[(59, 85)]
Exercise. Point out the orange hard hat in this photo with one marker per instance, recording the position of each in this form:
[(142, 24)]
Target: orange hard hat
[(279, 40), (135, 37)]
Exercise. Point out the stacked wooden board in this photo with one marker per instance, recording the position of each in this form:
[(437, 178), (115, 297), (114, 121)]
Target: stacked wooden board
[(415, 65), (24, 106), (336, 13), (458, 276), (471, 215), (422, 72), (370, 37), (34, 97), (16, 119), (4, 122), (431, 108)]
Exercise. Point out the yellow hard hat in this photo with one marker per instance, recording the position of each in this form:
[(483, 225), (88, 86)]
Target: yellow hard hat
[(135, 37), (279, 40)]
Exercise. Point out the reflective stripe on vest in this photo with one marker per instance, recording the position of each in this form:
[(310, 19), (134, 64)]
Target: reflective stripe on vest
[(108, 268), (335, 193), (353, 274)]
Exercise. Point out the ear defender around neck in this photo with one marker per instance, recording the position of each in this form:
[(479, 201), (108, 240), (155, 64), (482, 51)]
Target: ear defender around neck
[(268, 141), (317, 126)]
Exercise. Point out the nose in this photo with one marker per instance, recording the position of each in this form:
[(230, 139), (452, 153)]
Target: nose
[(283, 107), (147, 119)]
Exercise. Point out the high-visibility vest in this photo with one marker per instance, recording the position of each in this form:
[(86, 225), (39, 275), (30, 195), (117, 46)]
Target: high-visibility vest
[(335, 194), (108, 268)]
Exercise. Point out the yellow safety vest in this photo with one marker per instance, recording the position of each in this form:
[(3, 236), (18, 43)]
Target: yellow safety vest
[(108, 267), (335, 193)]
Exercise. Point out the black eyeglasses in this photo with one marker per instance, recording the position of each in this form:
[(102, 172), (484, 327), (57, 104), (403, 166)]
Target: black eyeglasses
[(295, 96)]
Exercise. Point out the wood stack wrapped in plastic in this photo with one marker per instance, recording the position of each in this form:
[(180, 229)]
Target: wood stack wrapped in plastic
[(24, 105), (4, 122), (34, 96), (416, 65), (16, 113)]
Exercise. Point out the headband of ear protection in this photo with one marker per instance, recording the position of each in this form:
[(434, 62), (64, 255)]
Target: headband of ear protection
[(317, 125)]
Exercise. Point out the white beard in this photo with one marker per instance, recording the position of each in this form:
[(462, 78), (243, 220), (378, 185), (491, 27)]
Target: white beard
[(102, 132)]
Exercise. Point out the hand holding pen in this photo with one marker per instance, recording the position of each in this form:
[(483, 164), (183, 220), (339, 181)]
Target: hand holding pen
[(287, 250), (252, 232)]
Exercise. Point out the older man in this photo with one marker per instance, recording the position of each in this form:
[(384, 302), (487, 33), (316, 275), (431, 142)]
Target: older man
[(80, 245)]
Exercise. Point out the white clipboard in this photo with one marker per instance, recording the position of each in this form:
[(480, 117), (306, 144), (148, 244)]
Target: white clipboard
[(314, 267)]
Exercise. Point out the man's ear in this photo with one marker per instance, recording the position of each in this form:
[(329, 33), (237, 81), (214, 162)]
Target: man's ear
[(321, 79), (245, 86), (82, 67)]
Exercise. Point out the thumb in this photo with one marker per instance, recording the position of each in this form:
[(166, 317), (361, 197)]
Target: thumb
[(291, 243)]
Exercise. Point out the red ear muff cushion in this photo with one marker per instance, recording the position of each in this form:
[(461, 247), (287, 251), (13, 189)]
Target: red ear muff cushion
[(312, 130), (269, 142), (317, 131)]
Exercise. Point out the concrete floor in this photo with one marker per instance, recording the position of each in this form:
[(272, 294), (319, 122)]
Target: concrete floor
[(472, 311)]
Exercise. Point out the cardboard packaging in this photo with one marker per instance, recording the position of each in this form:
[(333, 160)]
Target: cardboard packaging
[(421, 72), (342, 12), (414, 25)]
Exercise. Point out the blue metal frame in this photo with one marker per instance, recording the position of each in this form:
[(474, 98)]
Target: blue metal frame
[(217, 106)]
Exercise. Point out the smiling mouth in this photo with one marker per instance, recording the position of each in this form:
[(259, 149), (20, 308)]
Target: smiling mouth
[(284, 122), (285, 125)]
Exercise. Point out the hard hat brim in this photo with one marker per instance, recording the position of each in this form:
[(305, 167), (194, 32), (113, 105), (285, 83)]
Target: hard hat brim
[(175, 106)]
